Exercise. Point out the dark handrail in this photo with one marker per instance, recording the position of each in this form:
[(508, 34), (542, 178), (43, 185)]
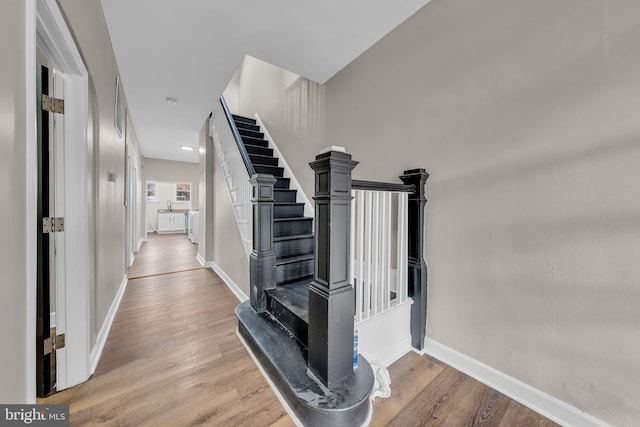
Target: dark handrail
[(236, 134), (382, 186)]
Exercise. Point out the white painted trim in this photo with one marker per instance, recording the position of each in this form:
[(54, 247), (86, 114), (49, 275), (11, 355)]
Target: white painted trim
[(539, 401), (132, 258), (309, 210), (101, 339), (30, 211), (52, 319), (140, 242), (385, 338), (201, 260), (226, 279)]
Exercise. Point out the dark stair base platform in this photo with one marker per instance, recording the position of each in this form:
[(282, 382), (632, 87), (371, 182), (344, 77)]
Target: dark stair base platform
[(284, 361)]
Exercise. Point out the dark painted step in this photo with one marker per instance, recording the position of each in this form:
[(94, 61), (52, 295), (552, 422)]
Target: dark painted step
[(243, 119), (260, 151), (291, 269), (287, 246), (248, 126), (288, 210), (250, 133), (282, 183), (285, 196), (271, 170), (289, 305), (257, 142), (284, 361), (292, 226), (263, 160)]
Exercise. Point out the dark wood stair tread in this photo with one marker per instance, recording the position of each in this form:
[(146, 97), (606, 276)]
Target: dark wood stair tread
[(294, 296), (292, 259), (294, 237)]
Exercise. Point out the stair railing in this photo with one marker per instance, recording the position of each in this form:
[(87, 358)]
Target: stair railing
[(379, 247), (386, 250), (236, 168)]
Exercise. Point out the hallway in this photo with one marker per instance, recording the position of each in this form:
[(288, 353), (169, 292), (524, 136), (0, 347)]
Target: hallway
[(172, 357)]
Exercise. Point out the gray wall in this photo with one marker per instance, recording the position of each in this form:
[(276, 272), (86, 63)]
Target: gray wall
[(291, 107), (206, 226), (526, 115), (13, 251), (107, 151), (224, 237)]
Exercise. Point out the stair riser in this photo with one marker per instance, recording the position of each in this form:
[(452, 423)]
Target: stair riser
[(288, 211), (294, 271), (243, 119), (247, 126), (262, 160), (291, 228), (293, 247), (271, 170), (254, 142), (290, 321), (282, 183), (284, 196), (251, 134), (260, 151)]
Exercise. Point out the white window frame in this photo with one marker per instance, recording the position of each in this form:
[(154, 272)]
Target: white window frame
[(153, 198), (175, 192)]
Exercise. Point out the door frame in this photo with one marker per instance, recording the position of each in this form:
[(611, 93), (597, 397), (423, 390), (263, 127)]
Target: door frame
[(46, 27)]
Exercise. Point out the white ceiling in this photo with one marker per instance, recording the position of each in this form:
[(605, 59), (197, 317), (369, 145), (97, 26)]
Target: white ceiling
[(189, 50)]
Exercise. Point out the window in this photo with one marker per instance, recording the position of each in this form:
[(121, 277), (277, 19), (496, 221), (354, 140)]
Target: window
[(152, 192), (183, 192)]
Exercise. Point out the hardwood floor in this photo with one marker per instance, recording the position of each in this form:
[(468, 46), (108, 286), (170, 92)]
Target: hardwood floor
[(173, 359)]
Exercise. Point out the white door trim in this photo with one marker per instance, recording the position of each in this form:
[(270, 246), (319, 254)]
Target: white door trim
[(53, 34)]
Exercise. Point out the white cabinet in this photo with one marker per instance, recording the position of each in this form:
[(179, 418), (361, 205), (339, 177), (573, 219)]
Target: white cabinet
[(171, 222)]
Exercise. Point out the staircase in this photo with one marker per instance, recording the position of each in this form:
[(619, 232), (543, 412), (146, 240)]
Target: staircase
[(293, 241), (274, 325)]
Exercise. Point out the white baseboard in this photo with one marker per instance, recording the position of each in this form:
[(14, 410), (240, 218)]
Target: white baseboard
[(539, 401), (52, 319), (201, 260), (101, 339), (229, 282), (140, 242), (132, 258)]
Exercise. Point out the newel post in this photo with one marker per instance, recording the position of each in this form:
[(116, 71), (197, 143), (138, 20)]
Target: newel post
[(331, 295), (262, 261), (417, 266)]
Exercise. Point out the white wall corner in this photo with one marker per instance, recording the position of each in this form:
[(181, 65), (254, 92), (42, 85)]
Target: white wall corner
[(228, 281), (101, 339), (537, 400)]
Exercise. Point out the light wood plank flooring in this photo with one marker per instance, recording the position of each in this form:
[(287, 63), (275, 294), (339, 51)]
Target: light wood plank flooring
[(173, 359)]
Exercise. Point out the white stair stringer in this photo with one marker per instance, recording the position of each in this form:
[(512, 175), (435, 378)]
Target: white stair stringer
[(235, 174)]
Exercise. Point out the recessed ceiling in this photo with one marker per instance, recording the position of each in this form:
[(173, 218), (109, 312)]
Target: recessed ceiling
[(188, 50)]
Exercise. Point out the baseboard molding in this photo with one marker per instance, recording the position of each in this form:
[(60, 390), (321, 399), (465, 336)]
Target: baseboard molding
[(201, 260), (539, 401), (227, 280), (140, 242), (101, 339)]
